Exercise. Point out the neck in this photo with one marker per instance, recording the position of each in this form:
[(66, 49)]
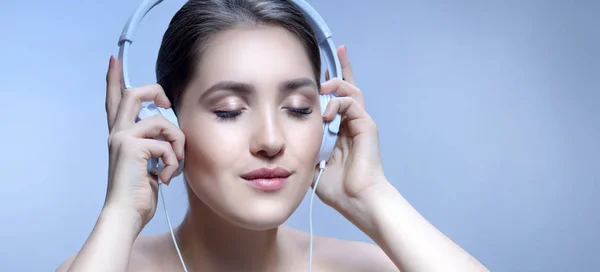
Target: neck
[(210, 243)]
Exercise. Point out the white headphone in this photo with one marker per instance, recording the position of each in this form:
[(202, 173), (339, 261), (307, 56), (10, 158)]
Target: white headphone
[(330, 129), (324, 40)]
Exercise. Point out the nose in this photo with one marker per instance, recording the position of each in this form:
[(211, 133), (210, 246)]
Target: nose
[(268, 140)]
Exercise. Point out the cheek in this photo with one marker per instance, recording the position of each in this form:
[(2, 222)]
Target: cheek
[(215, 151), (212, 150), (305, 141)]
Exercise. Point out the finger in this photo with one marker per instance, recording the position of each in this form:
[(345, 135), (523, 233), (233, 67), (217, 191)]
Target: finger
[(345, 63), (163, 150), (113, 90), (345, 106), (131, 103), (355, 115), (158, 126), (343, 88)]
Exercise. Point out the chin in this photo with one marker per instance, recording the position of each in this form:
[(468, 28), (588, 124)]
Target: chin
[(261, 215), (250, 209)]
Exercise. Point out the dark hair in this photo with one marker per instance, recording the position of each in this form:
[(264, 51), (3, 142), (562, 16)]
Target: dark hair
[(192, 27)]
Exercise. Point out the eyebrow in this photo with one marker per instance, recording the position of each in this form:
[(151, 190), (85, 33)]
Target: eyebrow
[(240, 87), (297, 83)]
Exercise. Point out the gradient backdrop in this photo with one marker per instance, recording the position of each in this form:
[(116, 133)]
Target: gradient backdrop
[(488, 112)]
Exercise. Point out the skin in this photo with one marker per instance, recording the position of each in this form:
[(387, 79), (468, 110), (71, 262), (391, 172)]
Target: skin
[(230, 226)]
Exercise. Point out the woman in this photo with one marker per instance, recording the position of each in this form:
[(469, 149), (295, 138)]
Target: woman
[(243, 78)]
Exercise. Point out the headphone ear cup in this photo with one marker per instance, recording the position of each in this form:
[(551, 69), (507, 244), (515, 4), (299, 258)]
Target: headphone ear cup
[(170, 115), (156, 165), (330, 130)]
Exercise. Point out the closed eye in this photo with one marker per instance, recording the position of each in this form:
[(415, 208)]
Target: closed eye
[(227, 115), (301, 113)]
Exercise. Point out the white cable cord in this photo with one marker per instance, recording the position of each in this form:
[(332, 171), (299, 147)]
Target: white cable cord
[(169, 223), (310, 221)]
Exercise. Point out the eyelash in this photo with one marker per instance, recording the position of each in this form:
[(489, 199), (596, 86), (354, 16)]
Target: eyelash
[(301, 113)]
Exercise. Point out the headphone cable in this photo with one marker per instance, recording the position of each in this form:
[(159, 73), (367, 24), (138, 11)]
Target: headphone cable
[(169, 223), (310, 220)]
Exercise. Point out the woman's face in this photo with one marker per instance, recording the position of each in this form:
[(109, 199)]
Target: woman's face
[(252, 104)]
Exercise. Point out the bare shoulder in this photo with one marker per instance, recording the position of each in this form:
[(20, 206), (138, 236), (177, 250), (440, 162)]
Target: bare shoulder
[(332, 254), (144, 248), (356, 256)]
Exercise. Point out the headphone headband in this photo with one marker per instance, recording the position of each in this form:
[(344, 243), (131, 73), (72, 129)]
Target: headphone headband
[(322, 33), (330, 129), (324, 41)]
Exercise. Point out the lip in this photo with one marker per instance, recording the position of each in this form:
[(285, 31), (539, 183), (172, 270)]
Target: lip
[(266, 173), (266, 179)]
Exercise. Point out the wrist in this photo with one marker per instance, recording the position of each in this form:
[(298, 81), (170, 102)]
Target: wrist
[(130, 222), (110, 243), (367, 209)]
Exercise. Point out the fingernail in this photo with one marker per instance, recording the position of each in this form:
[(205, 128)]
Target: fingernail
[(110, 62), (113, 61), (344, 55)]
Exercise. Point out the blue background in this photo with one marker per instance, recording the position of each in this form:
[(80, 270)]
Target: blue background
[(488, 113)]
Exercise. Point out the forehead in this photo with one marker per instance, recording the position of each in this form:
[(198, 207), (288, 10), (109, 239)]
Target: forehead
[(253, 54)]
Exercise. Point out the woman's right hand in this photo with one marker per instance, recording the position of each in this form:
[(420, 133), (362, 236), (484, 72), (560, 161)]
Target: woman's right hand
[(131, 189), (132, 192)]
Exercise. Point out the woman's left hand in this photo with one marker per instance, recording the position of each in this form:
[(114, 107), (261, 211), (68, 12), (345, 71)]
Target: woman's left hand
[(355, 165), (354, 184)]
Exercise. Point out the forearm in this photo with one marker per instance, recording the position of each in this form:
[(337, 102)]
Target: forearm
[(109, 246), (408, 239)]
